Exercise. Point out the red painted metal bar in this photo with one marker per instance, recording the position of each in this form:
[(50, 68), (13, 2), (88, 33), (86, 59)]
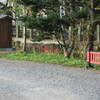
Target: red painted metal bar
[(93, 57)]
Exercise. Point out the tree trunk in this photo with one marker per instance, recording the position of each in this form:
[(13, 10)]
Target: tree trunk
[(71, 47), (92, 28), (69, 51)]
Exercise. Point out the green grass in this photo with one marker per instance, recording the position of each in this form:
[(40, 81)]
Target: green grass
[(52, 58)]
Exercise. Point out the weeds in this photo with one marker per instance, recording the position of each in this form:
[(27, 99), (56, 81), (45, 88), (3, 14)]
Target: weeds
[(52, 58)]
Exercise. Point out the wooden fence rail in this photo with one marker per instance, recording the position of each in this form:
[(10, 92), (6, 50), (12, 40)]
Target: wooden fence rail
[(31, 33)]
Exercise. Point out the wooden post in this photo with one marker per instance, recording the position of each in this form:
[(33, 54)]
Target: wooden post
[(17, 31), (88, 28), (79, 33), (31, 33), (88, 31), (98, 32), (70, 32), (24, 38)]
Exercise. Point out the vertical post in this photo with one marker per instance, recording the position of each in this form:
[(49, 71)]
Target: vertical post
[(79, 33), (88, 28), (31, 33), (88, 63), (70, 32), (17, 31), (98, 32), (24, 38)]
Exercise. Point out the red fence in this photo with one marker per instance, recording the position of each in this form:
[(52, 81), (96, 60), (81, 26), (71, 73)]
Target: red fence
[(93, 57)]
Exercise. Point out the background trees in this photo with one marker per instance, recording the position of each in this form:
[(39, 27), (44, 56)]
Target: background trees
[(54, 17), (77, 13)]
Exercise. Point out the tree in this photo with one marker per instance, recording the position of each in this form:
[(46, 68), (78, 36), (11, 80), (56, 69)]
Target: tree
[(52, 24)]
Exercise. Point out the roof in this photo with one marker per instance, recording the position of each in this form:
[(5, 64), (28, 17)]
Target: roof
[(5, 16)]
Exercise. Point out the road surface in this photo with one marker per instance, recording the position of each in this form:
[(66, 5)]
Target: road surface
[(24, 80)]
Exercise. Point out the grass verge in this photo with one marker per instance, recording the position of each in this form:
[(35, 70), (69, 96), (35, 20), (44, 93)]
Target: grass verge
[(52, 58)]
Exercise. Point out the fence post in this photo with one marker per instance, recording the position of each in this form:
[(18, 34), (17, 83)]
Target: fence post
[(31, 33), (17, 31), (88, 63), (79, 33), (70, 32), (24, 38), (98, 32)]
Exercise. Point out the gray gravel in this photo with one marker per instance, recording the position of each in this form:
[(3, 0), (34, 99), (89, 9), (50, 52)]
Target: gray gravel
[(23, 80)]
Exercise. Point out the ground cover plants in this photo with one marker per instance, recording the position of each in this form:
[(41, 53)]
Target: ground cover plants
[(42, 48), (47, 57)]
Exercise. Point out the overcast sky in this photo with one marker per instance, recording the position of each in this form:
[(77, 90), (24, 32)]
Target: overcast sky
[(3, 1)]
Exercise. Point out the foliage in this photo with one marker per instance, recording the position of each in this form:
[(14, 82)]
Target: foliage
[(76, 12), (42, 48), (52, 58)]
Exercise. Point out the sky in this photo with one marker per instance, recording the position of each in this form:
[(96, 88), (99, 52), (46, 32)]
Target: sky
[(3, 1)]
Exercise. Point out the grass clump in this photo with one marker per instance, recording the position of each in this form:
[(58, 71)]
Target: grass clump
[(52, 58)]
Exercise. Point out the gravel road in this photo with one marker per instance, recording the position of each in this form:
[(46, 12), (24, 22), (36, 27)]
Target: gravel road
[(24, 80)]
